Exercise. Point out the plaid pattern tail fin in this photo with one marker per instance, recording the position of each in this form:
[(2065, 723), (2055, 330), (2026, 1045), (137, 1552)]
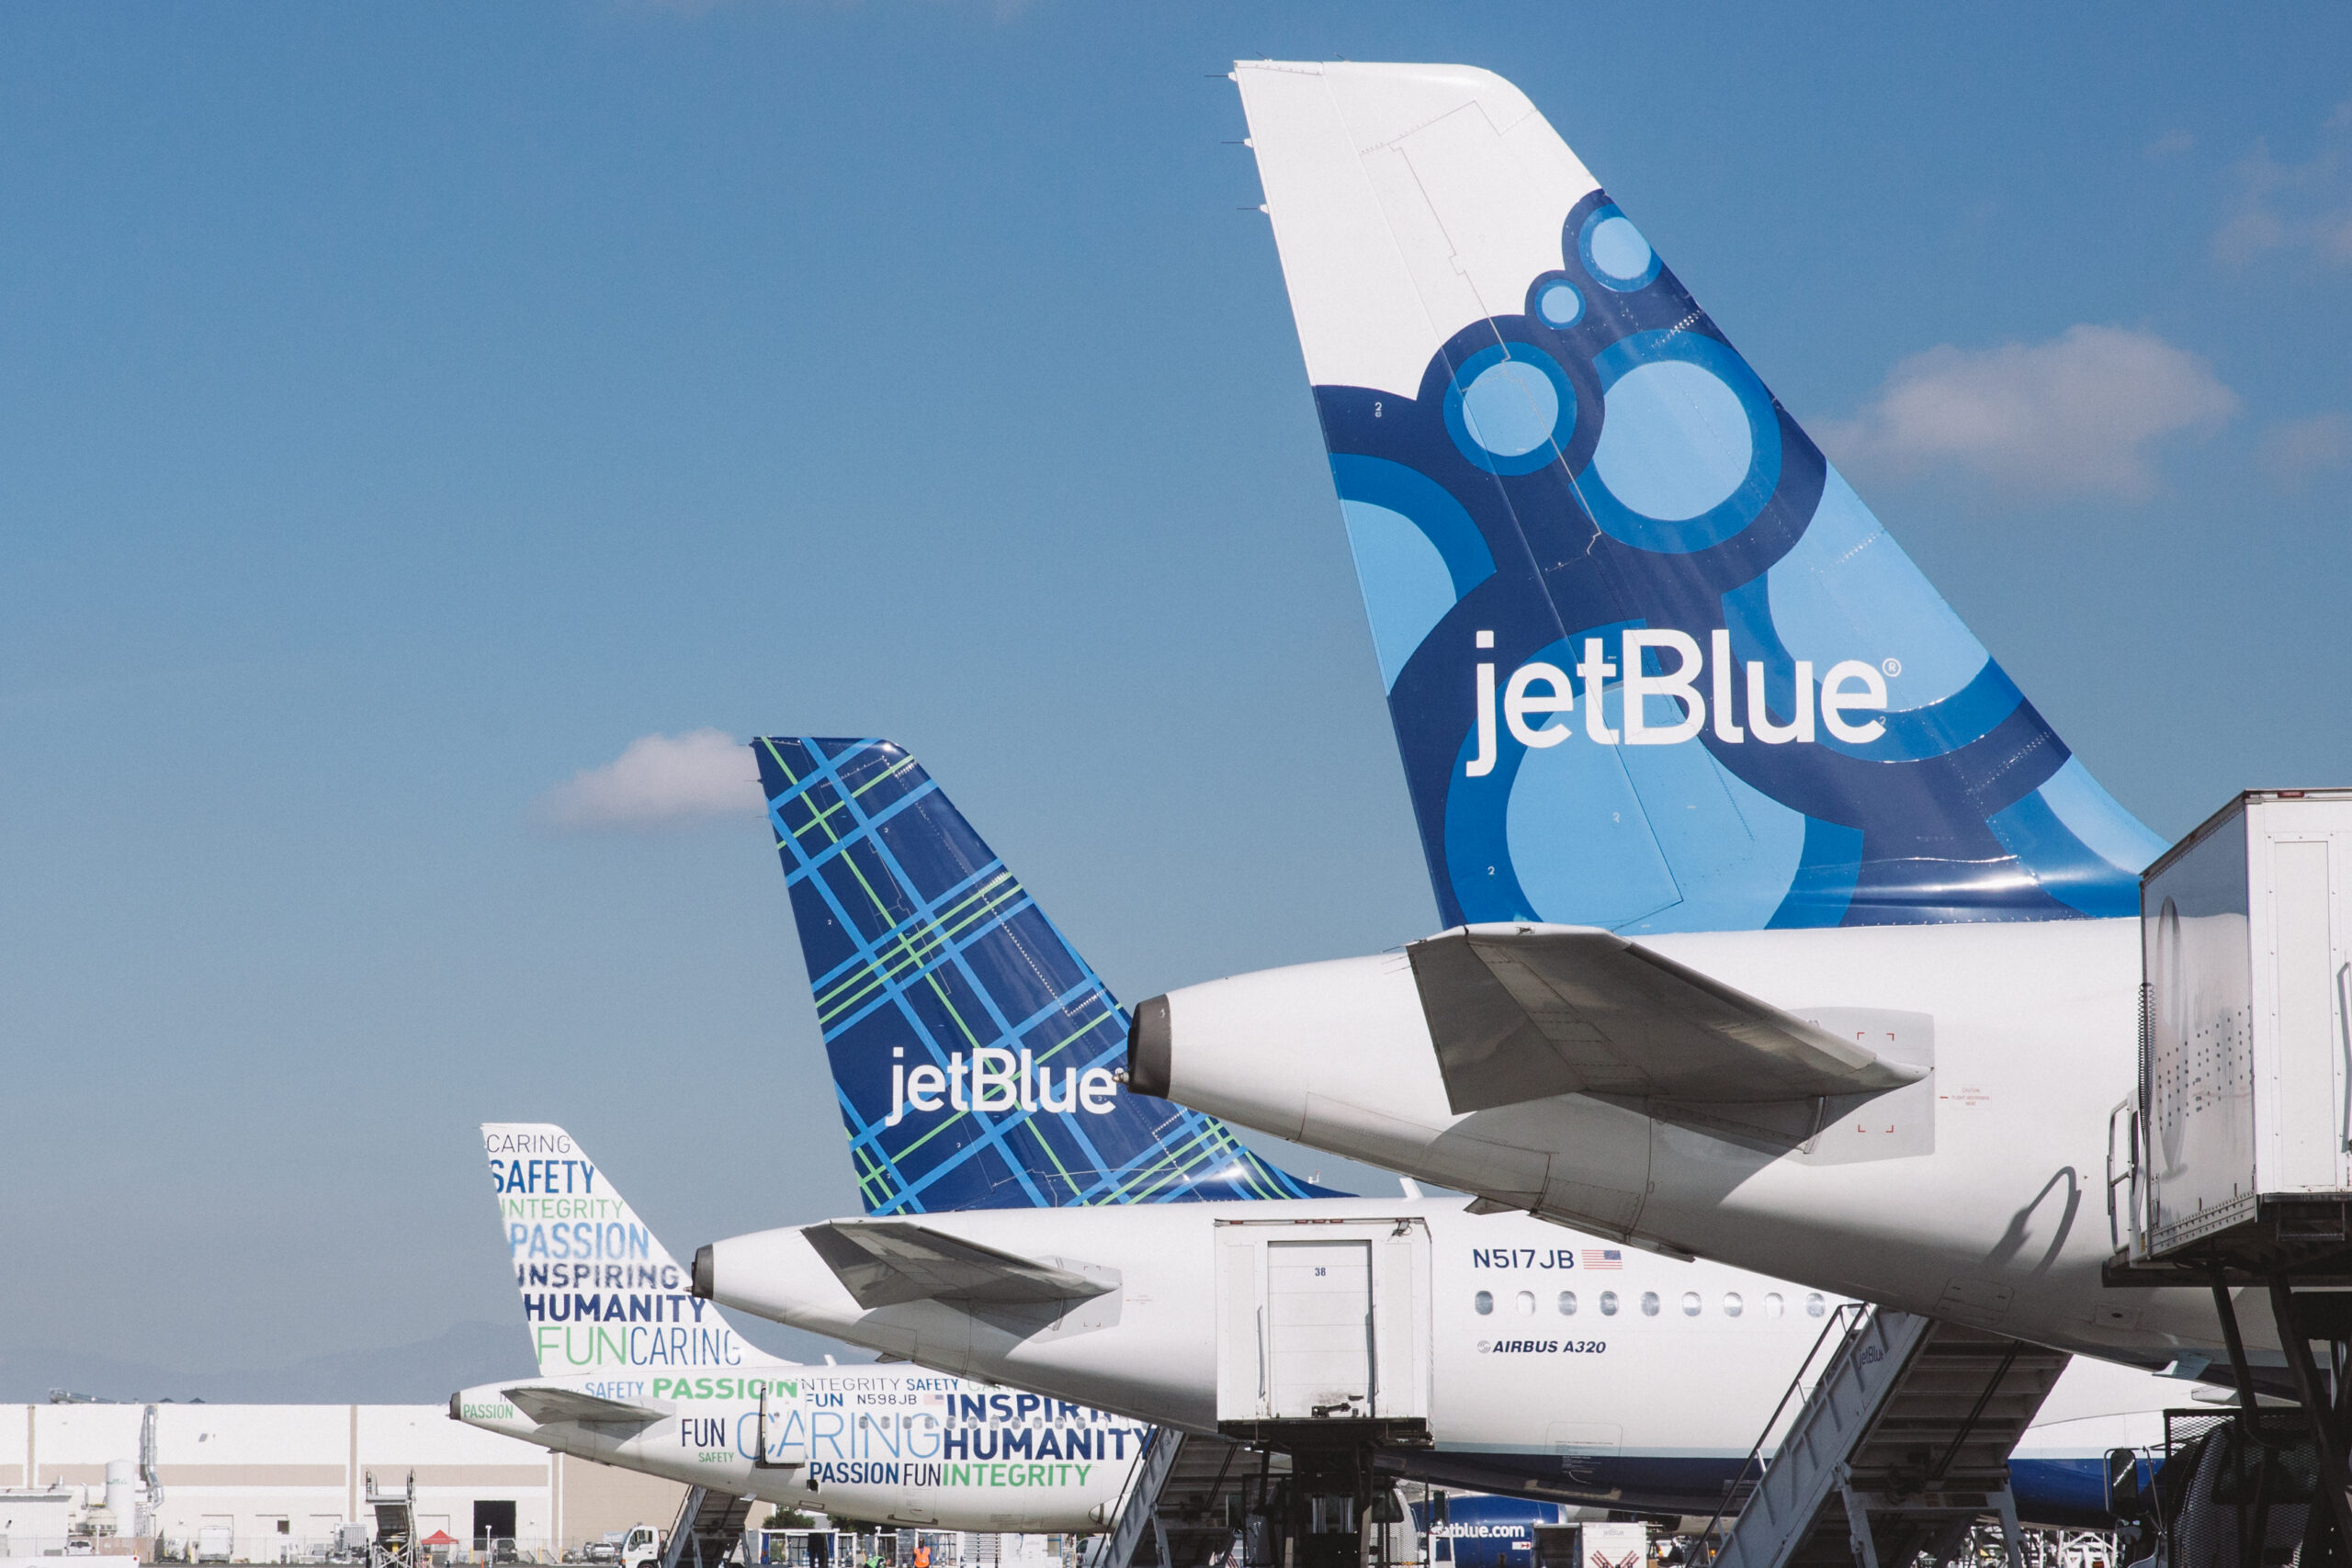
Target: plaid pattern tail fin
[(971, 1046)]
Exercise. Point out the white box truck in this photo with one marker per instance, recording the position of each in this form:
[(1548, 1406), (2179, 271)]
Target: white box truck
[(2245, 1085)]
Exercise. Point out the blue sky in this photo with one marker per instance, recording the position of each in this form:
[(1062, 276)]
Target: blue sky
[(405, 408)]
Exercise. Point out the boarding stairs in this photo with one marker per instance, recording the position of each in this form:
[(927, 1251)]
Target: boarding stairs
[(1902, 1446), (394, 1545), (710, 1527), (1172, 1513)]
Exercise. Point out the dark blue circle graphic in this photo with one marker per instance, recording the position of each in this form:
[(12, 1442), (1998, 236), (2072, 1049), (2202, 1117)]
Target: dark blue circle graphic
[(1510, 409)]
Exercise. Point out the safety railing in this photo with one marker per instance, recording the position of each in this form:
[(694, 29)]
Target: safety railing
[(1844, 1322)]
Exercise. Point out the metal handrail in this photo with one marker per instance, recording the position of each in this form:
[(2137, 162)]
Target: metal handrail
[(2128, 1177), (1127, 1490), (1858, 1313)]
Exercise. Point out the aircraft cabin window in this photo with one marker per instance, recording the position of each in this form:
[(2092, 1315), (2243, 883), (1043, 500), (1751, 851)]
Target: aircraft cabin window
[(1525, 1302), (1567, 1304), (1690, 1304), (1485, 1303), (1609, 1304), (1772, 1305), (1649, 1303), (1813, 1305), (1733, 1305)]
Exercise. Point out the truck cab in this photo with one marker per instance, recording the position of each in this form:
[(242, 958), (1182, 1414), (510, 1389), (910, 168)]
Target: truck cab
[(642, 1547)]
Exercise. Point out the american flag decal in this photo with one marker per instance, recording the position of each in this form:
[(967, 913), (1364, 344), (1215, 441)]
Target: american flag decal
[(1603, 1257)]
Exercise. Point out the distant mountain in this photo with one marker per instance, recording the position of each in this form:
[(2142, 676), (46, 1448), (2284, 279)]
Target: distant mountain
[(426, 1372)]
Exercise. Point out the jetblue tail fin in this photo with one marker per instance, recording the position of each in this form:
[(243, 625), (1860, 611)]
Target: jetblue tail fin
[(973, 1050), (1652, 663), (601, 1294)]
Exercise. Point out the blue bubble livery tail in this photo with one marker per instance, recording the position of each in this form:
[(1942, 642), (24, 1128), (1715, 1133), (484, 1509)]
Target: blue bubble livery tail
[(1653, 664), (973, 1050)]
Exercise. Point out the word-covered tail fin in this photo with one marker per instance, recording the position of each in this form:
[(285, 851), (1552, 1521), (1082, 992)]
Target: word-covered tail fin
[(1652, 663), (601, 1294), (973, 1050)]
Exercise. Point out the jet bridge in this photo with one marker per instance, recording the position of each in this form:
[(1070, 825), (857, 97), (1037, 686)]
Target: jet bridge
[(1901, 1448)]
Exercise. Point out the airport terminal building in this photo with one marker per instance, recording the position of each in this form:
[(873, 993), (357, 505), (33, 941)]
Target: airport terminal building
[(280, 1479)]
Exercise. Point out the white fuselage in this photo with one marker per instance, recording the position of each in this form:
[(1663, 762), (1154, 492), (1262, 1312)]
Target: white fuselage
[(891, 1445), (2004, 1223), (1645, 1388)]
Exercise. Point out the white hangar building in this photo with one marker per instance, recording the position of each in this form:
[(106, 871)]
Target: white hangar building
[(282, 1477)]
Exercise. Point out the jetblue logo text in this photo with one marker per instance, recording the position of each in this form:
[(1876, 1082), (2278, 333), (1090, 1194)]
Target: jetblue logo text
[(1537, 698), (999, 1080)]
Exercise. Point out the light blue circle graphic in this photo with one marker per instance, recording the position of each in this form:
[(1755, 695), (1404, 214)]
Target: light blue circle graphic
[(1689, 445), (1510, 409), (1560, 303), (1847, 591), (1614, 251), (1675, 441), (1619, 250)]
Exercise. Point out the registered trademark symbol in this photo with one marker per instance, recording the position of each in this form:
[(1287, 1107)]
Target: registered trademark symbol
[(1892, 666)]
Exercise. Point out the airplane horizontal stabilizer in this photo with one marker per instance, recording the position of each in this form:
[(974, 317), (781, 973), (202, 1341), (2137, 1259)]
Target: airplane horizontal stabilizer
[(883, 1263), (545, 1404), (1523, 1011)]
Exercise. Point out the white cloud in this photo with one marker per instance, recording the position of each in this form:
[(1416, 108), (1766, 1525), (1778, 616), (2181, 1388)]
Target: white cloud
[(2305, 208), (660, 780), (2084, 412), (2296, 452), (2170, 144)]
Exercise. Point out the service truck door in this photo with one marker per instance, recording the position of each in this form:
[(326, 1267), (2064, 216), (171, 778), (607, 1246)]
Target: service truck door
[(1323, 1320), (1318, 1329)]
